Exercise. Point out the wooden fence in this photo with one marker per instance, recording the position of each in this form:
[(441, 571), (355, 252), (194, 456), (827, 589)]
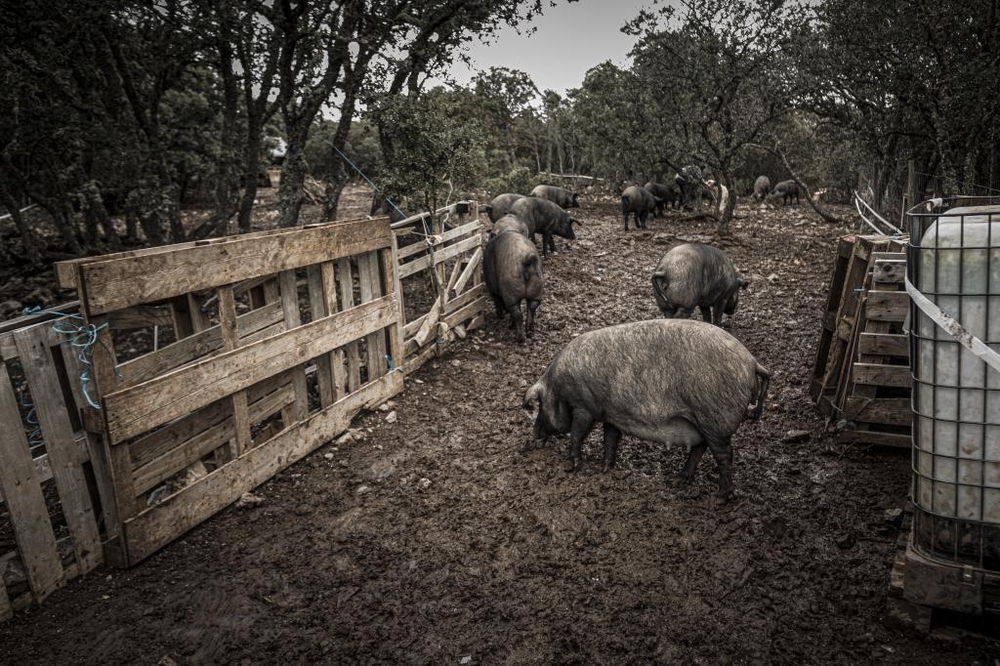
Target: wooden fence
[(214, 365), (441, 273)]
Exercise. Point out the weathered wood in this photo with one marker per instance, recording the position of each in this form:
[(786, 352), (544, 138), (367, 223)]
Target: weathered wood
[(457, 232), (22, 493), (197, 346), (137, 409), (884, 411), (49, 315), (467, 312), (470, 269), (160, 524), (336, 358), (141, 316), (396, 356), (882, 375), (156, 470), (298, 410), (319, 307), (63, 453), (887, 305), (899, 440), (353, 353), (371, 288), (465, 298), (429, 326), (439, 257), (115, 282), (890, 271), (230, 342), (884, 344)]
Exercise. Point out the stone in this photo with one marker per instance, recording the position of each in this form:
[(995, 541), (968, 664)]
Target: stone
[(424, 483), (248, 501), (796, 436), (391, 417)]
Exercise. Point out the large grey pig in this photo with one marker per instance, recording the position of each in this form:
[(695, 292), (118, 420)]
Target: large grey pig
[(667, 380), (509, 223), (639, 203), (761, 188), (667, 194), (787, 189), (560, 196), (512, 271), (545, 218), (501, 204), (697, 275)]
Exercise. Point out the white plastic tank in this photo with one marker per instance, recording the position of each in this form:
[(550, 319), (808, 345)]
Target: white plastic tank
[(955, 262)]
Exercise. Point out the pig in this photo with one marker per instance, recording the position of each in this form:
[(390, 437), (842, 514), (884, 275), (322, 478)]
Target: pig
[(787, 189), (557, 195), (545, 218), (512, 271), (668, 380), (639, 203), (501, 204), (761, 188), (668, 194), (509, 223), (697, 275)]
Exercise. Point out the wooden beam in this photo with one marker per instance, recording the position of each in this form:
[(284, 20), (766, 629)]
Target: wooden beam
[(887, 305), (884, 344), (439, 256), (231, 342), (882, 375), (299, 409), (884, 411), (134, 410)]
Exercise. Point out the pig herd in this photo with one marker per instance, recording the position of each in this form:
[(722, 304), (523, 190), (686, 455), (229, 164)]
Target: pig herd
[(673, 380)]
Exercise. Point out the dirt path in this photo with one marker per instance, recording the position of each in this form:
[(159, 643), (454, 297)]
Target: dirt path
[(435, 539)]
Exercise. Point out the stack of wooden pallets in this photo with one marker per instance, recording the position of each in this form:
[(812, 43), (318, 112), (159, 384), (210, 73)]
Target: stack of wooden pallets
[(861, 378)]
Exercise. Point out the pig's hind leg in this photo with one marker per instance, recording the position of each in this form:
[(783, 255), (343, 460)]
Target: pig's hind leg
[(611, 437), (579, 429)]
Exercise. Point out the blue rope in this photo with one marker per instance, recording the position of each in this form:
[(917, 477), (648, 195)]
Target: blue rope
[(35, 437), (83, 338), (368, 180)]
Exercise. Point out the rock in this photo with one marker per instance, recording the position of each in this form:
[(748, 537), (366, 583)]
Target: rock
[(362, 489), (773, 277), (390, 417), (166, 661), (248, 501), (796, 436), (456, 363), (328, 455), (424, 483), (344, 439), (384, 407), (892, 515), (467, 659), (845, 541)]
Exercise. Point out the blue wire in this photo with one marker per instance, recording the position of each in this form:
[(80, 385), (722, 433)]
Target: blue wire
[(368, 180)]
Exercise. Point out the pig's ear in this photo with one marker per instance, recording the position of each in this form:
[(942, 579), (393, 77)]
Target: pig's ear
[(534, 393)]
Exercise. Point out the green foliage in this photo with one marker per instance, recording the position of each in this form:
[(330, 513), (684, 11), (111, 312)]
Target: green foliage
[(362, 148), (519, 179)]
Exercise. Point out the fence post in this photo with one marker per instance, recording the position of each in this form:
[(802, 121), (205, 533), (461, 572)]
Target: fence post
[(911, 182)]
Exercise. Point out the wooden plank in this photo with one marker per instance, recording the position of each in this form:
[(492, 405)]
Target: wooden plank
[(134, 410), (231, 342), (196, 346), (470, 269), (887, 305), (890, 271), (114, 283), (884, 344), (25, 502), (898, 440), (389, 262), (346, 284), (60, 445), (336, 358), (319, 307), (468, 312), (371, 288), (884, 411), (464, 299), (141, 316), (160, 524), (882, 375), (148, 476), (293, 320), (439, 256), (457, 232)]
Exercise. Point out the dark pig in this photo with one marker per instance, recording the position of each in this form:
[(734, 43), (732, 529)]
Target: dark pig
[(690, 182), (761, 188), (558, 195), (673, 381), (787, 189), (639, 203), (501, 204), (512, 271), (667, 194), (509, 223), (697, 275), (545, 218)]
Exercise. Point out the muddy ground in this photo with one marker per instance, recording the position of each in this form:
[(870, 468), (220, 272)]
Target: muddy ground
[(436, 540)]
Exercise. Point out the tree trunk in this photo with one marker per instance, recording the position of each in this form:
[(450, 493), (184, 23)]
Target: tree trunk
[(293, 176), (32, 251), (251, 165)]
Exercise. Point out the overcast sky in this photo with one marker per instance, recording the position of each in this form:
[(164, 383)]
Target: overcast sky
[(570, 39)]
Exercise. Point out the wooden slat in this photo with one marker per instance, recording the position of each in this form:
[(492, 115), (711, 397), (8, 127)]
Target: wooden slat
[(470, 269), (393, 288), (141, 316), (885, 411), (290, 306), (887, 305), (882, 375), (231, 342), (319, 307), (353, 352), (137, 409), (180, 457), (457, 232), (889, 271), (160, 524), (885, 344), (899, 440), (371, 288), (464, 299), (467, 312), (60, 445), (25, 502), (439, 256), (113, 283)]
